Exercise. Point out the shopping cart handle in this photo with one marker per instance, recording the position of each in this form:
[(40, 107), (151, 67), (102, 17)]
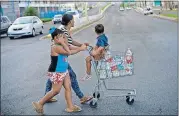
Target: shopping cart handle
[(89, 48)]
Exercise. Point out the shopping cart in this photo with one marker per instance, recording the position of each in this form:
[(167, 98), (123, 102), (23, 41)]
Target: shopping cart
[(113, 65)]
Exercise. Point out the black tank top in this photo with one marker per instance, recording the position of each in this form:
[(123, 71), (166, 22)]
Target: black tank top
[(53, 64)]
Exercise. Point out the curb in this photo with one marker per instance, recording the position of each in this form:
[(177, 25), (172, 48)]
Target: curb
[(166, 18), (47, 22)]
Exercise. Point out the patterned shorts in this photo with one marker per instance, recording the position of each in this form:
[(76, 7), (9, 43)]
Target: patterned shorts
[(57, 78)]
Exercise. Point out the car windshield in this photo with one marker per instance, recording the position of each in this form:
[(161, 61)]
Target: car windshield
[(23, 20), (72, 13), (59, 16)]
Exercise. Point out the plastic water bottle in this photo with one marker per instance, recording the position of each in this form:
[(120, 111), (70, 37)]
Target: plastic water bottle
[(108, 66), (109, 74), (108, 55), (129, 62), (103, 74), (103, 65), (116, 73), (129, 56)]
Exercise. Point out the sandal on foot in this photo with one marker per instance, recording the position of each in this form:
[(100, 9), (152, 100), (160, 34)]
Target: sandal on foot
[(85, 99), (38, 108), (75, 109)]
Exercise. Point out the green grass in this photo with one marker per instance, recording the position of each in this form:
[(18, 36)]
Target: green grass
[(46, 19), (170, 15)]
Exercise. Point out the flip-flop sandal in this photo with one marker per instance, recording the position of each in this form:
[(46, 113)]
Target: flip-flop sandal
[(86, 100), (75, 109), (37, 109)]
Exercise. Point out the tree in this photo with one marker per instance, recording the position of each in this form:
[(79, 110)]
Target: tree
[(30, 11)]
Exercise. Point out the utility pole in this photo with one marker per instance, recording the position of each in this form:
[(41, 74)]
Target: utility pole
[(86, 13)]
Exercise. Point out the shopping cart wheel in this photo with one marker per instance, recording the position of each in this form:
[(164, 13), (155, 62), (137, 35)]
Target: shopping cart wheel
[(93, 104), (129, 101), (98, 95)]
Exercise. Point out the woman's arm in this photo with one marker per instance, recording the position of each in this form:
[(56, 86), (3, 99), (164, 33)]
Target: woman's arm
[(60, 50), (75, 43)]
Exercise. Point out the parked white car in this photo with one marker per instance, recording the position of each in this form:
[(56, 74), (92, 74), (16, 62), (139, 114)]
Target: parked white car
[(128, 8), (23, 26), (147, 11), (5, 24), (121, 9)]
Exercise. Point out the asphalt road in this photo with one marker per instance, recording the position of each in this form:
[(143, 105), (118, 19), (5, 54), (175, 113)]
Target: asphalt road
[(24, 63)]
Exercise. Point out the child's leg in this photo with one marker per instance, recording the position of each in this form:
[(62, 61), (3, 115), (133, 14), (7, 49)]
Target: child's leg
[(67, 86), (68, 95), (88, 69), (55, 90), (88, 65)]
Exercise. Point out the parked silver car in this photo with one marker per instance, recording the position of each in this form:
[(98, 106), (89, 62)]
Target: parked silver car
[(23, 26), (57, 19), (5, 24)]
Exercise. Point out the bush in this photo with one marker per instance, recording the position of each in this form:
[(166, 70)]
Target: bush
[(30, 11)]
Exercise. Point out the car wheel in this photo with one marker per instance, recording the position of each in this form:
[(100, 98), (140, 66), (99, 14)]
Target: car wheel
[(41, 31), (33, 32), (11, 37)]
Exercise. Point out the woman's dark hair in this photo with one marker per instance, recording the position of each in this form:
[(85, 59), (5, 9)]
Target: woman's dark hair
[(56, 32), (99, 28), (66, 19)]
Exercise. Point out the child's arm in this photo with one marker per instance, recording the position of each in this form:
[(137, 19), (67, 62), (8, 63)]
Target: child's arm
[(65, 45)]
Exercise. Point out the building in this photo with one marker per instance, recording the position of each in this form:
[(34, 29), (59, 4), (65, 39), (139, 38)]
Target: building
[(10, 9), (46, 5)]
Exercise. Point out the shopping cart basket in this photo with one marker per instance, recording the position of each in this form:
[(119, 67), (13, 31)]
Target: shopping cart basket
[(114, 64)]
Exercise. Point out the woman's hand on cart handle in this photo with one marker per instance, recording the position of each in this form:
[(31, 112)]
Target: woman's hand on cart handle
[(83, 47), (87, 44)]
